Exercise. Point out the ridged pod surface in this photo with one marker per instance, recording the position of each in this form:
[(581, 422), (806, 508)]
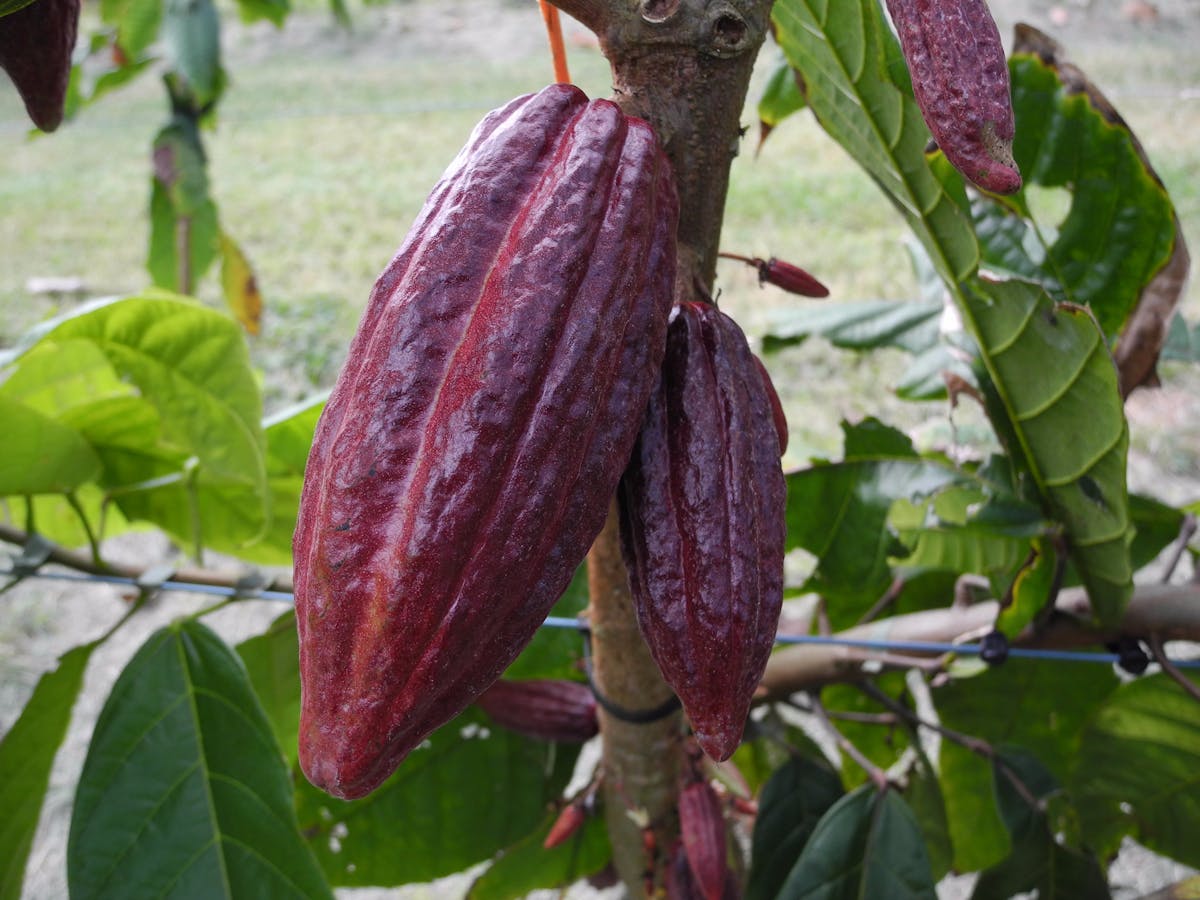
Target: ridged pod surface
[(702, 524), (777, 413), (702, 831), (466, 457), (35, 50), (960, 80), (547, 709)]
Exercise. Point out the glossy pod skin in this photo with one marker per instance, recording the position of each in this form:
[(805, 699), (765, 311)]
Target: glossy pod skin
[(468, 452), (546, 709), (702, 832), (960, 81), (35, 50), (702, 524)]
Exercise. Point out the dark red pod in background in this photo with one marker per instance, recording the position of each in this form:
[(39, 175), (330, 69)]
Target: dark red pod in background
[(544, 709)]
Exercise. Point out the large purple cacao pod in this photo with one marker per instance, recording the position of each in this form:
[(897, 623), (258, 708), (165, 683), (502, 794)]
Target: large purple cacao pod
[(467, 455), (702, 524), (960, 81), (35, 50)]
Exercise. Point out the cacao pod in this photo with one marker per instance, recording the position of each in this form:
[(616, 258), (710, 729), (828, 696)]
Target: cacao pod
[(467, 454), (543, 709), (680, 882), (702, 831), (791, 278), (569, 821), (781, 425), (35, 50), (702, 524), (960, 81)]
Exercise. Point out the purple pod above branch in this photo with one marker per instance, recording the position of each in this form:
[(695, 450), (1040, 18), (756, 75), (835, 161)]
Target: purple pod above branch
[(960, 80)]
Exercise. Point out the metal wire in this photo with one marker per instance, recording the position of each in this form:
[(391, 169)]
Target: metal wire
[(251, 593)]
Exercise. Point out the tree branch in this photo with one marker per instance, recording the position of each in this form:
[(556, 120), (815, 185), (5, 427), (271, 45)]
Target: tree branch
[(1171, 612)]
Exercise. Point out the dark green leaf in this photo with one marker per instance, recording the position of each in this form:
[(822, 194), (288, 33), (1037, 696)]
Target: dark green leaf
[(465, 793), (924, 796), (798, 794), (1038, 863), (272, 661), (1053, 376), (184, 790), (26, 756), (866, 325), (872, 439), (1138, 769), (1119, 229), (526, 866), (191, 33), (1040, 706), (780, 98), (867, 845), (1156, 526), (839, 513)]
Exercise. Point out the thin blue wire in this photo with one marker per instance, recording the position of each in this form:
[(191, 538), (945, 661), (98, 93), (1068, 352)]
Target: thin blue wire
[(577, 625)]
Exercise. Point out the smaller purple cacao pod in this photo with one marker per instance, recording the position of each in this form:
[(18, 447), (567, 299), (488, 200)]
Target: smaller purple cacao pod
[(702, 515), (35, 50), (680, 883), (960, 81), (702, 831), (792, 279), (781, 425), (543, 709)]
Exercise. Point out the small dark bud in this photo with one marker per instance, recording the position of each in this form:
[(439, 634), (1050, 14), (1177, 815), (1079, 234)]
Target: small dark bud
[(993, 649), (791, 278)]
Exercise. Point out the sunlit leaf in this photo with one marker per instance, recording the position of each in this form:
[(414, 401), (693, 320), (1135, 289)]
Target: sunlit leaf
[(41, 455), (240, 286)]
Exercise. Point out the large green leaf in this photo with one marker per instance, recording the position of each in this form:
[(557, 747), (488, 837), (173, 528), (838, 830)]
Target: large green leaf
[(1039, 706), (272, 661), (1138, 770), (184, 791), (196, 410), (26, 756), (465, 793), (1053, 376), (842, 49), (868, 844), (1038, 864), (1120, 227), (792, 802), (42, 455), (527, 865)]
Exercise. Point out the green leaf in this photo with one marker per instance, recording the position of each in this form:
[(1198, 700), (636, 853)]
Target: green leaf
[(780, 98), (555, 652), (842, 49), (190, 364), (882, 744), (839, 513), (289, 436), (41, 455), (272, 661), (924, 795), (239, 285), (1138, 770), (865, 325), (1119, 229), (8, 7), (274, 11), (1031, 589), (184, 790), (1040, 706), (137, 23), (1038, 862), (191, 33), (868, 844), (465, 793), (792, 802), (26, 756), (526, 866), (1156, 525), (182, 214), (1053, 376)]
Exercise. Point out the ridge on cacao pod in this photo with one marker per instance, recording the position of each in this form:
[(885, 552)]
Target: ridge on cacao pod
[(702, 524), (468, 452), (960, 81)]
